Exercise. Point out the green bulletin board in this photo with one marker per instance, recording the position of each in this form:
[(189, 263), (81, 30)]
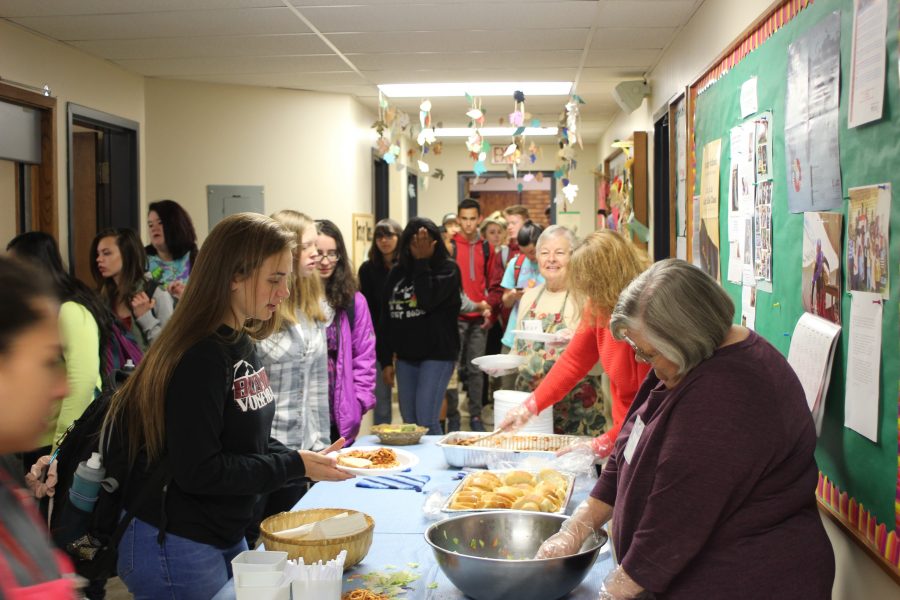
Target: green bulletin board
[(869, 154)]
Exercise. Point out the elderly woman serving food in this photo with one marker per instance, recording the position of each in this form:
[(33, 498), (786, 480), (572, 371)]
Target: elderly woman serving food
[(710, 486)]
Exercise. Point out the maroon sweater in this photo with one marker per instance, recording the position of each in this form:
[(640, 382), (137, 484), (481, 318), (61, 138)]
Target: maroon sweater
[(718, 500)]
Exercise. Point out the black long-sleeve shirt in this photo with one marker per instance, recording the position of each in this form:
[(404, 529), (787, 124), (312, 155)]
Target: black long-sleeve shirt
[(419, 313), (219, 411), (372, 276)]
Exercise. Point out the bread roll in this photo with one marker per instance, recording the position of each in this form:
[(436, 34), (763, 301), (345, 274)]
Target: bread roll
[(528, 503), (494, 500), (514, 477)]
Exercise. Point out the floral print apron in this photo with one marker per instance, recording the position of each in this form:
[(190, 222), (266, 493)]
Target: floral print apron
[(584, 410)]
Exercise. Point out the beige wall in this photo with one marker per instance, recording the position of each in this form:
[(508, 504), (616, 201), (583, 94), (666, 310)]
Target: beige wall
[(857, 576), (7, 202), (310, 151), (441, 195), (73, 76)]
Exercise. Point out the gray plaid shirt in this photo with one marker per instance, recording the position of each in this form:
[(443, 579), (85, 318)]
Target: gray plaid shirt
[(296, 360)]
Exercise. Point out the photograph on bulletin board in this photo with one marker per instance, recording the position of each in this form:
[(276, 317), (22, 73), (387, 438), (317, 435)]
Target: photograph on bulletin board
[(868, 222), (821, 279)]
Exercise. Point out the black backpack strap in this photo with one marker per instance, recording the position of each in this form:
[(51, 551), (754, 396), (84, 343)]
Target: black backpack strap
[(160, 478), (486, 252)]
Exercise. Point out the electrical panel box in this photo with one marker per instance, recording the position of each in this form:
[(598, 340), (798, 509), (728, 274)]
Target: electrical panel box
[(224, 200)]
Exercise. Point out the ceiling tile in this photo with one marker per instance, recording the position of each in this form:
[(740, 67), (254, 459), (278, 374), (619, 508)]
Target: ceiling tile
[(442, 17), (632, 38), (43, 8), (198, 47), (646, 13), (464, 60), (460, 40), (211, 66), (167, 24), (471, 74), (637, 58), (287, 80)]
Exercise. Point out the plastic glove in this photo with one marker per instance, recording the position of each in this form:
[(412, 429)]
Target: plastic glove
[(600, 447), (574, 531), (618, 585), (41, 478), (563, 337), (520, 415)]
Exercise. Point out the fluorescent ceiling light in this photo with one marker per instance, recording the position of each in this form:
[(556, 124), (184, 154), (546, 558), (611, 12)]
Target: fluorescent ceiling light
[(493, 131), (475, 88)]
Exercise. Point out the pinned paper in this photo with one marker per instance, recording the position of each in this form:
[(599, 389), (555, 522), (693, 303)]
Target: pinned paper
[(748, 97)]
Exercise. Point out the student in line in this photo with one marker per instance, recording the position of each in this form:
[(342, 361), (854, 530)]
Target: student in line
[(141, 305), (200, 405), (85, 324), (296, 360), (420, 306), (32, 382), (350, 336), (173, 245), (372, 275)]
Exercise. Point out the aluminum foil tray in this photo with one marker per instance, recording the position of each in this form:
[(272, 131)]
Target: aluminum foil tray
[(501, 447), (570, 479)]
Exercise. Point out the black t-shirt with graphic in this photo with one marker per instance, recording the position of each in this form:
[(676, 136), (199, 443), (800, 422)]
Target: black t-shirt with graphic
[(219, 411), (419, 313)]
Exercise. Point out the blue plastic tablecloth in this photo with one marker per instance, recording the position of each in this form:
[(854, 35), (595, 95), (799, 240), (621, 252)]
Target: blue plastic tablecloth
[(400, 523)]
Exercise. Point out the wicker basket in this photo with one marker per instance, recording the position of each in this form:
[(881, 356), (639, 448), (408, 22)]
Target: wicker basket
[(357, 545), (399, 438)]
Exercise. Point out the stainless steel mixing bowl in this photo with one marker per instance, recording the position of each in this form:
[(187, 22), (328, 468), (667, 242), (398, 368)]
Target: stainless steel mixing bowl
[(489, 555)]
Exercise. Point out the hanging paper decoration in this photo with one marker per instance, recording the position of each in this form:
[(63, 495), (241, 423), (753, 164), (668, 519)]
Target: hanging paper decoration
[(426, 136), (477, 146), (389, 126), (568, 137), (517, 119)]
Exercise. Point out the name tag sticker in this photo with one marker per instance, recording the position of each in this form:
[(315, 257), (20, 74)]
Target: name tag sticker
[(532, 325), (633, 438)]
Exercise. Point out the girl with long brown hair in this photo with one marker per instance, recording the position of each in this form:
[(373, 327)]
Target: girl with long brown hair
[(141, 304), (200, 402), (296, 360)]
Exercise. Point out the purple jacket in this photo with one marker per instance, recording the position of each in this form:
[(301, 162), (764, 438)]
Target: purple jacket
[(354, 386)]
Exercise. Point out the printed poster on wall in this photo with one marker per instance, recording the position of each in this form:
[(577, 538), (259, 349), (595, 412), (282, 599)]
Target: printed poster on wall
[(762, 236), (868, 229), (821, 269), (867, 60), (763, 141), (709, 209), (363, 230), (812, 153)]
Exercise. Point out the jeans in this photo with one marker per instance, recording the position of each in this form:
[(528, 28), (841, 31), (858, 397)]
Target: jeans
[(179, 569), (382, 412), (420, 388), (472, 341)]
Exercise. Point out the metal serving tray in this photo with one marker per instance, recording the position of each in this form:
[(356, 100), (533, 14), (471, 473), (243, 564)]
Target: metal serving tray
[(570, 480), (502, 447)]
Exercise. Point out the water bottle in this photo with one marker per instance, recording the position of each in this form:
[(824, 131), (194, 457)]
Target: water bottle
[(86, 483), (128, 367)]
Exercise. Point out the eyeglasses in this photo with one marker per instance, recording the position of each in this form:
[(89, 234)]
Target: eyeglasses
[(331, 255), (638, 353)]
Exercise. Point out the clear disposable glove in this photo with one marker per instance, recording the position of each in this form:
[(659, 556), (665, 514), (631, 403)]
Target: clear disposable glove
[(518, 417), (574, 531), (41, 478), (618, 585), (563, 337), (600, 447)]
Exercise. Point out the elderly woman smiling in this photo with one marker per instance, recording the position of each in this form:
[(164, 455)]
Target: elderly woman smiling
[(582, 411), (711, 484)]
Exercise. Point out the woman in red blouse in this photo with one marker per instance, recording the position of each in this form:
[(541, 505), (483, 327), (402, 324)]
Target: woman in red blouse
[(600, 268)]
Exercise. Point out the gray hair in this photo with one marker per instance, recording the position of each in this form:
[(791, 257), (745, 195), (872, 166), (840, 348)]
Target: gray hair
[(683, 312), (556, 231)]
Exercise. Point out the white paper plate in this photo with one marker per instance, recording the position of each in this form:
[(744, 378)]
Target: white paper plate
[(536, 336), (406, 459), (508, 362)]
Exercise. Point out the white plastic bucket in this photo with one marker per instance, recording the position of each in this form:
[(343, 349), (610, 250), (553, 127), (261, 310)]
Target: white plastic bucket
[(505, 400)]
